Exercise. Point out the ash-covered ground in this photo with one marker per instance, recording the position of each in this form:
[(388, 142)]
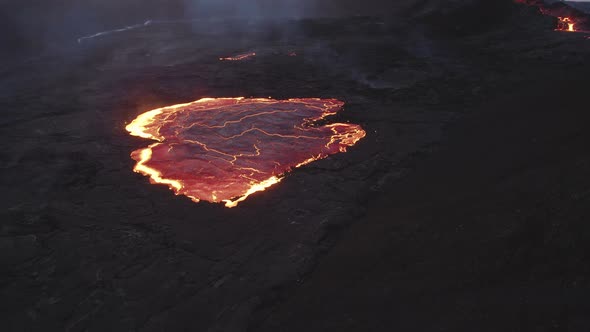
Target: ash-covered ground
[(465, 208)]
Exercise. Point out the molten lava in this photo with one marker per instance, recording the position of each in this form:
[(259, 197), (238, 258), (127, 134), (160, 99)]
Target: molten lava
[(565, 24), (225, 149), (239, 57), (568, 18)]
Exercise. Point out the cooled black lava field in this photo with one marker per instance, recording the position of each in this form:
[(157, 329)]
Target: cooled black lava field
[(466, 206)]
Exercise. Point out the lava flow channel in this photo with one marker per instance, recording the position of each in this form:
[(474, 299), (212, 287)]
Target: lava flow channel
[(225, 149)]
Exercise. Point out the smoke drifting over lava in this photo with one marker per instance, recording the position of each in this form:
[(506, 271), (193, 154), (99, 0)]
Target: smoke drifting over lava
[(36, 25), (248, 8)]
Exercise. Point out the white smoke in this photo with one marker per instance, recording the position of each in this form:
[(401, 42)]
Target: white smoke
[(263, 9)]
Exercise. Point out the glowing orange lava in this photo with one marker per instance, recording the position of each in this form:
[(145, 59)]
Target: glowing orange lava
[(565, 24), (568, 18), (239, 57), (225, 149)]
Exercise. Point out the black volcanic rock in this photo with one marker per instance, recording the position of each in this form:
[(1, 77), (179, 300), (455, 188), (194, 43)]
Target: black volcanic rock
[(464, 208)]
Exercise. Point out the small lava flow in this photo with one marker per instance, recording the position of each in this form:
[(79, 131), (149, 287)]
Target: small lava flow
[(223, 150), (568, 18), (566, 24), (239, 57)]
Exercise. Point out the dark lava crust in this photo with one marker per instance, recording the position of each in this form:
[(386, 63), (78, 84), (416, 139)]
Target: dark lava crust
[(464, 209)]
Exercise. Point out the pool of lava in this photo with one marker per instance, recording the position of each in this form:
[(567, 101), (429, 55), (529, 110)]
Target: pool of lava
[(223, 150)]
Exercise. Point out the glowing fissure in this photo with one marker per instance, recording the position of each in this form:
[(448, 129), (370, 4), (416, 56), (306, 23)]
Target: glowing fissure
[(223, 150), (239, 57)]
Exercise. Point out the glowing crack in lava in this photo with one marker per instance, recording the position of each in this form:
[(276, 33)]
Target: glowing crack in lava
[(225, 149), (239, 57)]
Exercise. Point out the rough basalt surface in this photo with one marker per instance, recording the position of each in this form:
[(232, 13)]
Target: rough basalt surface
[(465, 208)]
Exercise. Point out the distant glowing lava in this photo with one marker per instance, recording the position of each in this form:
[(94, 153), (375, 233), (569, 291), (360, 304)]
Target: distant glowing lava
[(225, 149), (239, 57), (568, 18), (566, 24)]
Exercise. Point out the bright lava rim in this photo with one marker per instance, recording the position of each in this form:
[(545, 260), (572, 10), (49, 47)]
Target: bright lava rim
[(225, 149)]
